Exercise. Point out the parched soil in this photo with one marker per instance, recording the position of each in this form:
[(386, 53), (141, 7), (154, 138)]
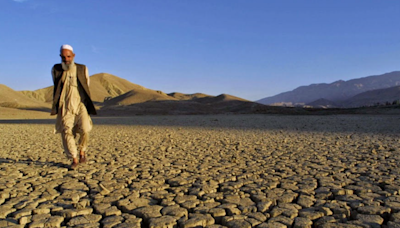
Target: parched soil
[(205, 171)]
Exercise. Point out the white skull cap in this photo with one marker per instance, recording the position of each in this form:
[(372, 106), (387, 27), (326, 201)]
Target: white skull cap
[(66, 46)]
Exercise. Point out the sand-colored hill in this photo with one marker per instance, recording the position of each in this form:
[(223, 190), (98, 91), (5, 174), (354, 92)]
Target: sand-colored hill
[(182, 96), (13, 99), (102, 86), (148, 103), (139, 95), (43, 95), (118, 97), (113, 92), (106, 86), (220, 98)]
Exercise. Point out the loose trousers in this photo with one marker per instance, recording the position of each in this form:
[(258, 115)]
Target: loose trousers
[(72, 124)]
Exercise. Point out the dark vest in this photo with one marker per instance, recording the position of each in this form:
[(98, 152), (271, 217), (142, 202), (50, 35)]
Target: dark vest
[(83, 87)]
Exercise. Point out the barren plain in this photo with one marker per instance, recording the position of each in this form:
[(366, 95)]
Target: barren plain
[(205, 171)]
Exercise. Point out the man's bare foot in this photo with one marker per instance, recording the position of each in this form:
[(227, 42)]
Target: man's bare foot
[(75, 163)]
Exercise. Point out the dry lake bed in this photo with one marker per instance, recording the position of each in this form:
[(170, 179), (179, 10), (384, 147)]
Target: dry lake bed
[(205, 171)]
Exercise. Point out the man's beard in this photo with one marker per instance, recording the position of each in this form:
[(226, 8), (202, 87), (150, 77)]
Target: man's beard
[(67, 66)]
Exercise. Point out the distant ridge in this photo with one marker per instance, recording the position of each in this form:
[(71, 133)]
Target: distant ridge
[(374, 97), (337, 92)]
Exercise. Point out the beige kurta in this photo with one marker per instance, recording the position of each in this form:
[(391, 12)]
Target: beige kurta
[(72, 117)]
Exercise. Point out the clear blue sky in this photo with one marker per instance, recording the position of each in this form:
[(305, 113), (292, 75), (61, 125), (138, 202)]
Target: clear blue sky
[(247, 48)]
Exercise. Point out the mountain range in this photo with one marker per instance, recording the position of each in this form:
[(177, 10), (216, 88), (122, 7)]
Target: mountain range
[(358, 92), (116, 96)]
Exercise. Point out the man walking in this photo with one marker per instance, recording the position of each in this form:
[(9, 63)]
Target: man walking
[(72, 104)]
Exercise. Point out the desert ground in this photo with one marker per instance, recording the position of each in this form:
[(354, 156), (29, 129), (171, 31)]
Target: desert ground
[(204, 171)]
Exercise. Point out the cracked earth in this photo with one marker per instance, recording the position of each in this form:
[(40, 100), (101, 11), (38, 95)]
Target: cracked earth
[(205, 171)]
